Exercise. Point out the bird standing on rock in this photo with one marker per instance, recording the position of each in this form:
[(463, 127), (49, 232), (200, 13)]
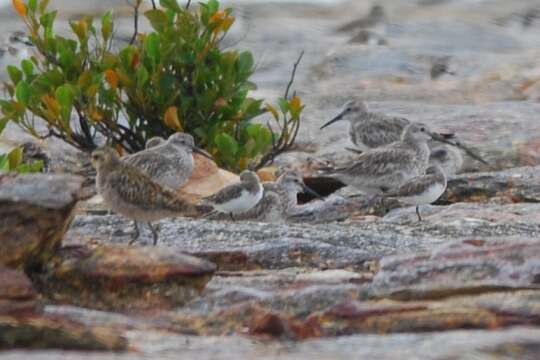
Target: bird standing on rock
[(237, 198), (369, 130), (421, 190), (169, 163), (279, 198), (387, 167), (132, 193)]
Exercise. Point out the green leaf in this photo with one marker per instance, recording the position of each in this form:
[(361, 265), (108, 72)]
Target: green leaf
[(142, 76), (14, 74), (106, 25), (245, 63), (15, 157), (151, 47), (283, 105), (3, 123), (43, 5), (32, 5), (32, 167), (65, 96), (213, 6), (4, 162), (28, 68), (22, 92), (226, 145), (170, 4), (158, 19)]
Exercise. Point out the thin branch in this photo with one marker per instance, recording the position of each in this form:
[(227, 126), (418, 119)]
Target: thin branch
[(135, 20), (293, 74)]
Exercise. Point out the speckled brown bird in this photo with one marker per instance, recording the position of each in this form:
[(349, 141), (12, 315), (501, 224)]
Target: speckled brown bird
[(133, 194)]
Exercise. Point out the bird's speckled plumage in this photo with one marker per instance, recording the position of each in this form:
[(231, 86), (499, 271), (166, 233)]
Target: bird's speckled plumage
[(169, 163), (367, 129), (132, 193), (286, 188), (389, 166)]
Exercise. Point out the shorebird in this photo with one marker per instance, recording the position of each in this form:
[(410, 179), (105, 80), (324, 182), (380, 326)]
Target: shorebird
[(169, 163), (368, 129), (237, 198), (387, 167), (132, 193), (449, 158), (439, 67), (421, 190), (376, 16), (286, 188)]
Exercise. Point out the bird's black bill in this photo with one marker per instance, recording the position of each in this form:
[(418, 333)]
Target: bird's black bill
[(356, 151), (444, 138), (337, 118), (310, 191), (203, 153), (470, 153)]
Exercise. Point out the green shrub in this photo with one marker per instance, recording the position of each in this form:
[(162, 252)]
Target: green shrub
[(13, 161), (175, 78)]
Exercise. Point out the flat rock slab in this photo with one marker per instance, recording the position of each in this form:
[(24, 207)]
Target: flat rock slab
[(46, 332), (509, 186), (122, 277), (35, 211), (515, 343), (251, 245)]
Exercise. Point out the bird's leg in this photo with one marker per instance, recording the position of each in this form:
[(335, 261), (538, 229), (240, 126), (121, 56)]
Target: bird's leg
[(232, 217), (135, 234), (418, 212), (154, 233)]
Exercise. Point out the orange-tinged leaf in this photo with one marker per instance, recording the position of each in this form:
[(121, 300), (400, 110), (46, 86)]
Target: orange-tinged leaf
[(220, 102), (112, 78), (96, 116), (273, 110), (295, 104), (19, 7), (51, 103), (227, 23), (171, 118), (135, 60), (217, 17)]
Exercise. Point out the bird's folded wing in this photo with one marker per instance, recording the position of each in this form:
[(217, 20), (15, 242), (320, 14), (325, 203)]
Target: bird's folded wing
[(230, 192), (412, 187), (378, 162)]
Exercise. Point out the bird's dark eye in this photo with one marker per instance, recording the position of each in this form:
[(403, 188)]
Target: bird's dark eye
[(422, 129)]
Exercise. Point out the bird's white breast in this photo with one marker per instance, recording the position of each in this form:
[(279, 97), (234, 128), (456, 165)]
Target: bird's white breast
[(241, 204), (430, 195)]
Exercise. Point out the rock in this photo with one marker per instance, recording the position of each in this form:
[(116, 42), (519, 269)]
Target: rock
[(206, 179), (465, 267), (43, 332), (35, 211), (23, 324), (508, 186), (17, 295), (116, 277)]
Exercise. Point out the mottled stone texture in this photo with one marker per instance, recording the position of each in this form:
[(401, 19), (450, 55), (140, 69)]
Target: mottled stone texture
[(35, 211), (116, 277)]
